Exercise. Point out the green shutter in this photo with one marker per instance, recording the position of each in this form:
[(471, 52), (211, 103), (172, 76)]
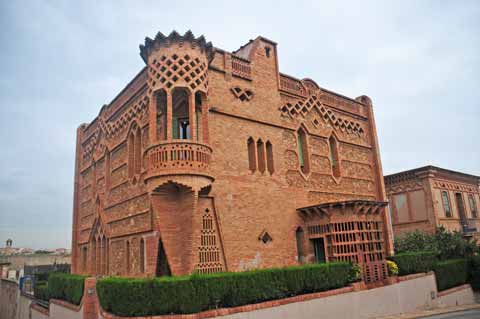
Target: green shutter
[(175, 128), (300, 151)]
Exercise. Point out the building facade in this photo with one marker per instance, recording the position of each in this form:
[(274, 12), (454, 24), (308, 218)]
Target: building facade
[(215, 161), (429, 197)]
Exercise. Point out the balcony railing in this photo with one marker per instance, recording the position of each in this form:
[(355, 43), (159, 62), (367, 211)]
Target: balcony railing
[(178, 157)]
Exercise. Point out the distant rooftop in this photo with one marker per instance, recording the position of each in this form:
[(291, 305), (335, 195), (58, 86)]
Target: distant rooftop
[(429, 168)]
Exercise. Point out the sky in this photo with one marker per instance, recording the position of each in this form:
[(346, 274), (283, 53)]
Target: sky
[(60, 61)]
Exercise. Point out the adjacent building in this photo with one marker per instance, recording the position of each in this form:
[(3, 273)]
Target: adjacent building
[(213, 161), (428, 197)]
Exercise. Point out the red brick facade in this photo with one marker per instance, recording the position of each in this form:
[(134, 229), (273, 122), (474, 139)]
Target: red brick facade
[(428, 197), (210, 161)]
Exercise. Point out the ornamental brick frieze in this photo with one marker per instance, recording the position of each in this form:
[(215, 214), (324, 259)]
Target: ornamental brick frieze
[(405, 187), (325, 197), (455, 186)]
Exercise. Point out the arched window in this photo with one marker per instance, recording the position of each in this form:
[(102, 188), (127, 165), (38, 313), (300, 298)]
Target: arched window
[(142, 256), (84, 259), (269, 149), (161, 97), (299, 236), (127, 256), (261, 156), (180, 114), (252, 159), (334, 162), (131, 154), (138, 151), (94, 256), (303, 151)]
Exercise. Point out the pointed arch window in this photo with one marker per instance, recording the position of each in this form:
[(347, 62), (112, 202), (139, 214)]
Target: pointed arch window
[(269, 149), (142, 256), (261, 155), (252, 158), (131, 154), (134, 152), (334, 161), (303, 156)]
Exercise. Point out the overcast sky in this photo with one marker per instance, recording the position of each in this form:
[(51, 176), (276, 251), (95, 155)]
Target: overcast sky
[(61, 61)]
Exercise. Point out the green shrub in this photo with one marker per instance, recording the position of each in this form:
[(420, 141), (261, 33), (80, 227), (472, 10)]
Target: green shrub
[(66, 287), (447, 245), (451, 273), (414, 262), (474, 275), (40, 290), (195, 293)]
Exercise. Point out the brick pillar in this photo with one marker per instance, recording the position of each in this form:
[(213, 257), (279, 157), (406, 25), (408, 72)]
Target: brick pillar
[(191, 116), (205, 119), (91, 307)]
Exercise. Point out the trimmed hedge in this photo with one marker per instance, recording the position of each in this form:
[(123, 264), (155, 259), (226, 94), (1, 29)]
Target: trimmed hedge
[(40, 290), (195, 293), (475, 272), (66, 287), (414, 262), (451, 273)]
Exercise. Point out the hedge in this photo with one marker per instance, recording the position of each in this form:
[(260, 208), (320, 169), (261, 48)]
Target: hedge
[(40, 290), (414, 262), (66, 287), (451, 273), (475, 272), (195, 293)]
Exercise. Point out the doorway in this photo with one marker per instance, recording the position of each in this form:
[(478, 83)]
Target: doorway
[(319, 250)]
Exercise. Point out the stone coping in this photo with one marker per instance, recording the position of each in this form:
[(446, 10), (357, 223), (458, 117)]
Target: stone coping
[(40, 309), (67, 305), (454, 289)]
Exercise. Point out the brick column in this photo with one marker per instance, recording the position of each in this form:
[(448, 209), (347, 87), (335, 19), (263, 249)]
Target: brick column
[(152, 119), (91, 307), (169, 115), (192, 116)]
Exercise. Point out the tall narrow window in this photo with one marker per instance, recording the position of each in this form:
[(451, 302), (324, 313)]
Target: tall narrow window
[(131, 154), (252, 159), (138, 151), (334, 162), (261, 156), (180, 116), (142, 256), (446, 204), (269, 149), (199, 99), (473, 207), (303, 151), (299, 236), (94, 256), (107, 170), (127, 257), (161, 115), (84, 259)]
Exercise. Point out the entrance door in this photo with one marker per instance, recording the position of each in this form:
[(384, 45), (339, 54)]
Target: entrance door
[(461, 210), (319, 249)]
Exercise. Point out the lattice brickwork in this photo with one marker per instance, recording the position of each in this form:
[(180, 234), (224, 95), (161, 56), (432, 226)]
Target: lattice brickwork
[(209, 252), (327, 115), (166, 71)]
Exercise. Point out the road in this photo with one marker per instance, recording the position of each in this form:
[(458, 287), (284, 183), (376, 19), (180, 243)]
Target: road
[(468, 314)]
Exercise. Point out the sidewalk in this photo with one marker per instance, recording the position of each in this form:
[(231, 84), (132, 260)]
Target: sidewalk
[(427, 313)]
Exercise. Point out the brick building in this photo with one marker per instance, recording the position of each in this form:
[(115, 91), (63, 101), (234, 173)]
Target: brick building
[(215, 161), (428, 197)]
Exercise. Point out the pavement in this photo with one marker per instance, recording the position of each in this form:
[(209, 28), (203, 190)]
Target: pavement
[(460, 312)]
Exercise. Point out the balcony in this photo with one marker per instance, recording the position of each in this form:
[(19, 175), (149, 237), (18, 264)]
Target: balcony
[(182, 161)]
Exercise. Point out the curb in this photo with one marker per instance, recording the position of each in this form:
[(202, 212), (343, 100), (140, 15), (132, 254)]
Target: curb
[(428, 313)]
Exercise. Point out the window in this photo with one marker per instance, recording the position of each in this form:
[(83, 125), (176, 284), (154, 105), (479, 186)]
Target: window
[(446, 204), (303, 151), (269, 149), (142, 256), (299, 236), (261, 156), (134, 145), (473, 207), (127, 256), (84, 259), (267, 52), (131, 154), (252, 160), (180, 117), (334, 162), (161, 97), (138, 151)]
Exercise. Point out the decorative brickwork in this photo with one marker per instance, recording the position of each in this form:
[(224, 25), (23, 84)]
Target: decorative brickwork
[(202, 162)]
